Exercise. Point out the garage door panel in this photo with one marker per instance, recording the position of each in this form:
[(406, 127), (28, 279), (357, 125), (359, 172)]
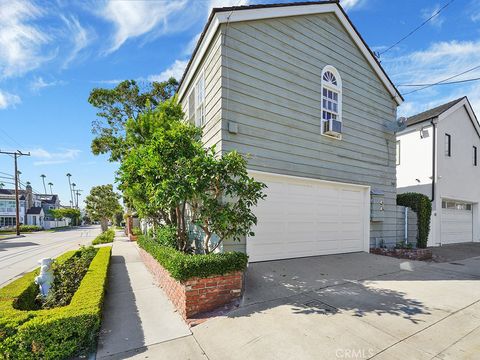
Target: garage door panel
[(304, 217), (456, 226)]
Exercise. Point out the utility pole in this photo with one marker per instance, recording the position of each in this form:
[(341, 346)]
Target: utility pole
[(16, 155)]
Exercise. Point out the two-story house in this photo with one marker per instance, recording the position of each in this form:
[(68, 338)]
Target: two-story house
[(8, 208), (438, 155), (296, 89), (34, 208)]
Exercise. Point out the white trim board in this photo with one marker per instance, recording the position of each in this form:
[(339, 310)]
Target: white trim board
[(275, 12)]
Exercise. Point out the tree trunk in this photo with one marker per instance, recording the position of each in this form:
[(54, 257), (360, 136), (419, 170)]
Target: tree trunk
[(104, 224)]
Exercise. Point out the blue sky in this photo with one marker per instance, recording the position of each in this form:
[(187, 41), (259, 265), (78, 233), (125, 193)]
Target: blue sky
[(52, 53)]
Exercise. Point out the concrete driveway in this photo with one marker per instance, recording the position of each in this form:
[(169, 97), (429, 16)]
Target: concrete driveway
[(353, 306)]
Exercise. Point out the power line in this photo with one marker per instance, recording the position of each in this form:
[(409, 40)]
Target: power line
[(441, 82), (435, 14)]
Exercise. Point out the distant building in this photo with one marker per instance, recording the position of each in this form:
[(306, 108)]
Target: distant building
[(34, 208)]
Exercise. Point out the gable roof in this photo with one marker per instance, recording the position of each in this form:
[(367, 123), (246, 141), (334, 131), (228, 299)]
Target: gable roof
[(265, 11), (11, 193), (432, 113), (444, 111), (36, 210)]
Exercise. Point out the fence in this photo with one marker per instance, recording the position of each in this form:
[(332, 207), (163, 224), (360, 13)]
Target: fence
[(411, 225)]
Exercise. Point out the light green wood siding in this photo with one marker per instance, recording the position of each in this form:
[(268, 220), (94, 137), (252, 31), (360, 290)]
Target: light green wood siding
[(211, 66), (270, 87)]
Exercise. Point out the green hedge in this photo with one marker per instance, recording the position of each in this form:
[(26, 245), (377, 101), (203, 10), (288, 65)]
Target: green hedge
[(422, 205), (183, 266), (105, 237), (58, 333), (23, 228)]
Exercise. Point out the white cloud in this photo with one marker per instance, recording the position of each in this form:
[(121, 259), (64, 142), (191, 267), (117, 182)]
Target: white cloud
[(80, 37), (350, 4), (21, 41), (175, 70), (226, 3), (439, 61), (135, 18), (191, 45), (8, 100), (39, 83), (474, 10), (436, 21), (50, 158)]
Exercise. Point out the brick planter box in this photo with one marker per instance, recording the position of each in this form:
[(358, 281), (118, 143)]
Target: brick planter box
[(411, 254), (195, 295), (132, 237)]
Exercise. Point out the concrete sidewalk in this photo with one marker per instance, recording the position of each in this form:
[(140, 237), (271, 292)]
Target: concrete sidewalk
[(138, 319)]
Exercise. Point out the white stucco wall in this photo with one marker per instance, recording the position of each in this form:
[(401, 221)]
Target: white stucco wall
[(415, 161), (457, 177)]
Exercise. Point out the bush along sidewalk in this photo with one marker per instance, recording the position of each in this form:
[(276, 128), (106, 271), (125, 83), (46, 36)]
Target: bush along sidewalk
[(194, 283), (67, 323), (23, 229), (105, 237)]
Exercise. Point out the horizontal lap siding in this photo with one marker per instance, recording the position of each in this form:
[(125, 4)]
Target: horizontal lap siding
[(271, 88), (212, 67)]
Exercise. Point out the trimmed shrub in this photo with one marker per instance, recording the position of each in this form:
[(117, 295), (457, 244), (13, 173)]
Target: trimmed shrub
[(422, 206), (166, 236), (23, 228), (105, 237), (137, 231), (58, 333), (182, 266), (68, 277)]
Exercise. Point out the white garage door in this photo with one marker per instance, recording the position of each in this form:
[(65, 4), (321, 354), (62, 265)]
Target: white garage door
[(457, 222), (304, 217)]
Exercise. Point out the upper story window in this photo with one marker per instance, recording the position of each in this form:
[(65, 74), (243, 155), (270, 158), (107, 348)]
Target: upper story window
[(475, 158), (448, 145), (196, 102), (331, 109)]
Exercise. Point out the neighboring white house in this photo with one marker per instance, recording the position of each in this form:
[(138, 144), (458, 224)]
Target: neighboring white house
[(438, 155), (8, 208), (35, 216), (295, 87)]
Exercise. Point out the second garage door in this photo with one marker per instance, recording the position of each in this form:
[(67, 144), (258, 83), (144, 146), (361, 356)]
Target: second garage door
[(305, 217), (457, 222)]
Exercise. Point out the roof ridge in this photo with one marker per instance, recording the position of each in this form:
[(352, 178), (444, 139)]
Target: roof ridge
[(432, 112)]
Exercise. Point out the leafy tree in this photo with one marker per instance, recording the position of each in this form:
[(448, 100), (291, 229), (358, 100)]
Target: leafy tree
[(224, 196), (170, 178), (118, 218), (102, 204), (70, 213), (126, 101)]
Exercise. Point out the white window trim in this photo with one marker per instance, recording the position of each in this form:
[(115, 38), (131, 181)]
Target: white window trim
[(200, 103), (338, 90)]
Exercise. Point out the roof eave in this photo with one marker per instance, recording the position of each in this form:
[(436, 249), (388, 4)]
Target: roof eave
[(214, 21)]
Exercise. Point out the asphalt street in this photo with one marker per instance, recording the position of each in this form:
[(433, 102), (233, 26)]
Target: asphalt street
[(21, 255)]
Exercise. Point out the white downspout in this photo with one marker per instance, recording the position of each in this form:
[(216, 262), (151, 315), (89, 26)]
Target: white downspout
[(406, 225)]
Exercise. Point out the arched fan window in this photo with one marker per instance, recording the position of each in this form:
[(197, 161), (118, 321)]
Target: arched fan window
[(331, 109)]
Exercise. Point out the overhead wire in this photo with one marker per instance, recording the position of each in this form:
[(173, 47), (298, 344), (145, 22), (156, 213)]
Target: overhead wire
[(435, 14)]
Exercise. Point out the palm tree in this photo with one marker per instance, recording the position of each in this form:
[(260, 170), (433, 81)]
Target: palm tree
[(43, 179), (73, 191), (70, 186), (2, 185), (50, 184)]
